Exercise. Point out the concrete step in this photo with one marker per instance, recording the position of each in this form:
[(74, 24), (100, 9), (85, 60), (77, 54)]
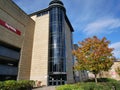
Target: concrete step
[(46, 88)]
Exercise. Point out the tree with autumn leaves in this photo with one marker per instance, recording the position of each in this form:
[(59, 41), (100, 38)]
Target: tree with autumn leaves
[(94, 55)]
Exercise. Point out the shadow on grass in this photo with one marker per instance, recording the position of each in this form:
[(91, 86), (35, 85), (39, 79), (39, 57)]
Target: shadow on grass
[(102, 80)]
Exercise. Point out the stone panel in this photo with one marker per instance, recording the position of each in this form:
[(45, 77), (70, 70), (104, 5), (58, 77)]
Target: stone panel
[(39, 65)]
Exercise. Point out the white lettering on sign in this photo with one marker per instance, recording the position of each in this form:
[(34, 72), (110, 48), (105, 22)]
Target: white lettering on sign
[(10, 27)]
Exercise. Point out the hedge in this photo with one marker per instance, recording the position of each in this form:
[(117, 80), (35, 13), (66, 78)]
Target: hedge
[(17, 85), (108, 84), (69, 87)]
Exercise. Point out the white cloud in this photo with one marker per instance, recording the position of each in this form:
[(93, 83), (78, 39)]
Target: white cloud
[(116, 47), (102, 26)]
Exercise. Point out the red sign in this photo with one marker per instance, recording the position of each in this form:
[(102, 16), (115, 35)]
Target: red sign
[(4, 24)]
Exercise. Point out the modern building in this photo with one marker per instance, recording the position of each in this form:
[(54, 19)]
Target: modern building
[(36, 46), (16, 41)]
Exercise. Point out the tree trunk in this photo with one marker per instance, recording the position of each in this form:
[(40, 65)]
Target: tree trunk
[(95, 78)]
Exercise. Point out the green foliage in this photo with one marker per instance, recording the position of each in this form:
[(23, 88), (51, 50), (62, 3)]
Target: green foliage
[(108, 85), (102, 80), (1, 85), (117, 85), (94, 86), (94, 55), (107, 80), (17, 85), (10, 85), (69, 87), (25, 84)]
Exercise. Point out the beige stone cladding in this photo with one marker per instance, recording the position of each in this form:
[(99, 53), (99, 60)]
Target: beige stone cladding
[(108, 74), (39, 65), (112, 72), (15, 17), (69, 58), (26, 52), (10, 14)]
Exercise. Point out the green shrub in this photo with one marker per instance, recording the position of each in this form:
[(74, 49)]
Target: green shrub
[(87, 86), (108, 85), (1, 85), (115, 84), (25, 84), (17, 85), (10, 85), (94, 86), (69, 87), (102, 80), (107, 80)]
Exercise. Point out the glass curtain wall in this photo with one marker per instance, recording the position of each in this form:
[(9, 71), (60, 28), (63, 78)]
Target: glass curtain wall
[(9, 59), (57, 50)]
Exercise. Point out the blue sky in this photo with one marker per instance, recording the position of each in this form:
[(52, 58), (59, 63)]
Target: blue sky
[(88, 18)]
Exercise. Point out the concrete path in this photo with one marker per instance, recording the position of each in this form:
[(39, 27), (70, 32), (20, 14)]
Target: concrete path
[(46, 88)]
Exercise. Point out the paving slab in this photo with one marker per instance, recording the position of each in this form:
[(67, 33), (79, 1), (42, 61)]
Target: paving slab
[(46, 88)]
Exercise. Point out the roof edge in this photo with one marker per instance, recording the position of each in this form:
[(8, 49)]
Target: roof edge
[(40, 11), (67, 20), (47, 9)]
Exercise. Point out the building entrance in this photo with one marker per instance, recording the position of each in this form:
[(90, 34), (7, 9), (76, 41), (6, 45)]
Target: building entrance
[(59, 79)]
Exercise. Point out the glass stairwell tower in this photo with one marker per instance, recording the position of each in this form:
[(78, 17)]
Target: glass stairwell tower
[(57, 44)]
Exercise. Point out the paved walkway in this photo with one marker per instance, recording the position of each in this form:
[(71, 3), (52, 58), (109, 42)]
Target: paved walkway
[(46, 88)]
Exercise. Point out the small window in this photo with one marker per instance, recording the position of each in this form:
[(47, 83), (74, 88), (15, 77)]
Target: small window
[(41, 14)]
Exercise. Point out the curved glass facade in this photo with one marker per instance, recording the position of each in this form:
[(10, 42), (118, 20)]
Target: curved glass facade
[(57, 50), (57, 40)]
